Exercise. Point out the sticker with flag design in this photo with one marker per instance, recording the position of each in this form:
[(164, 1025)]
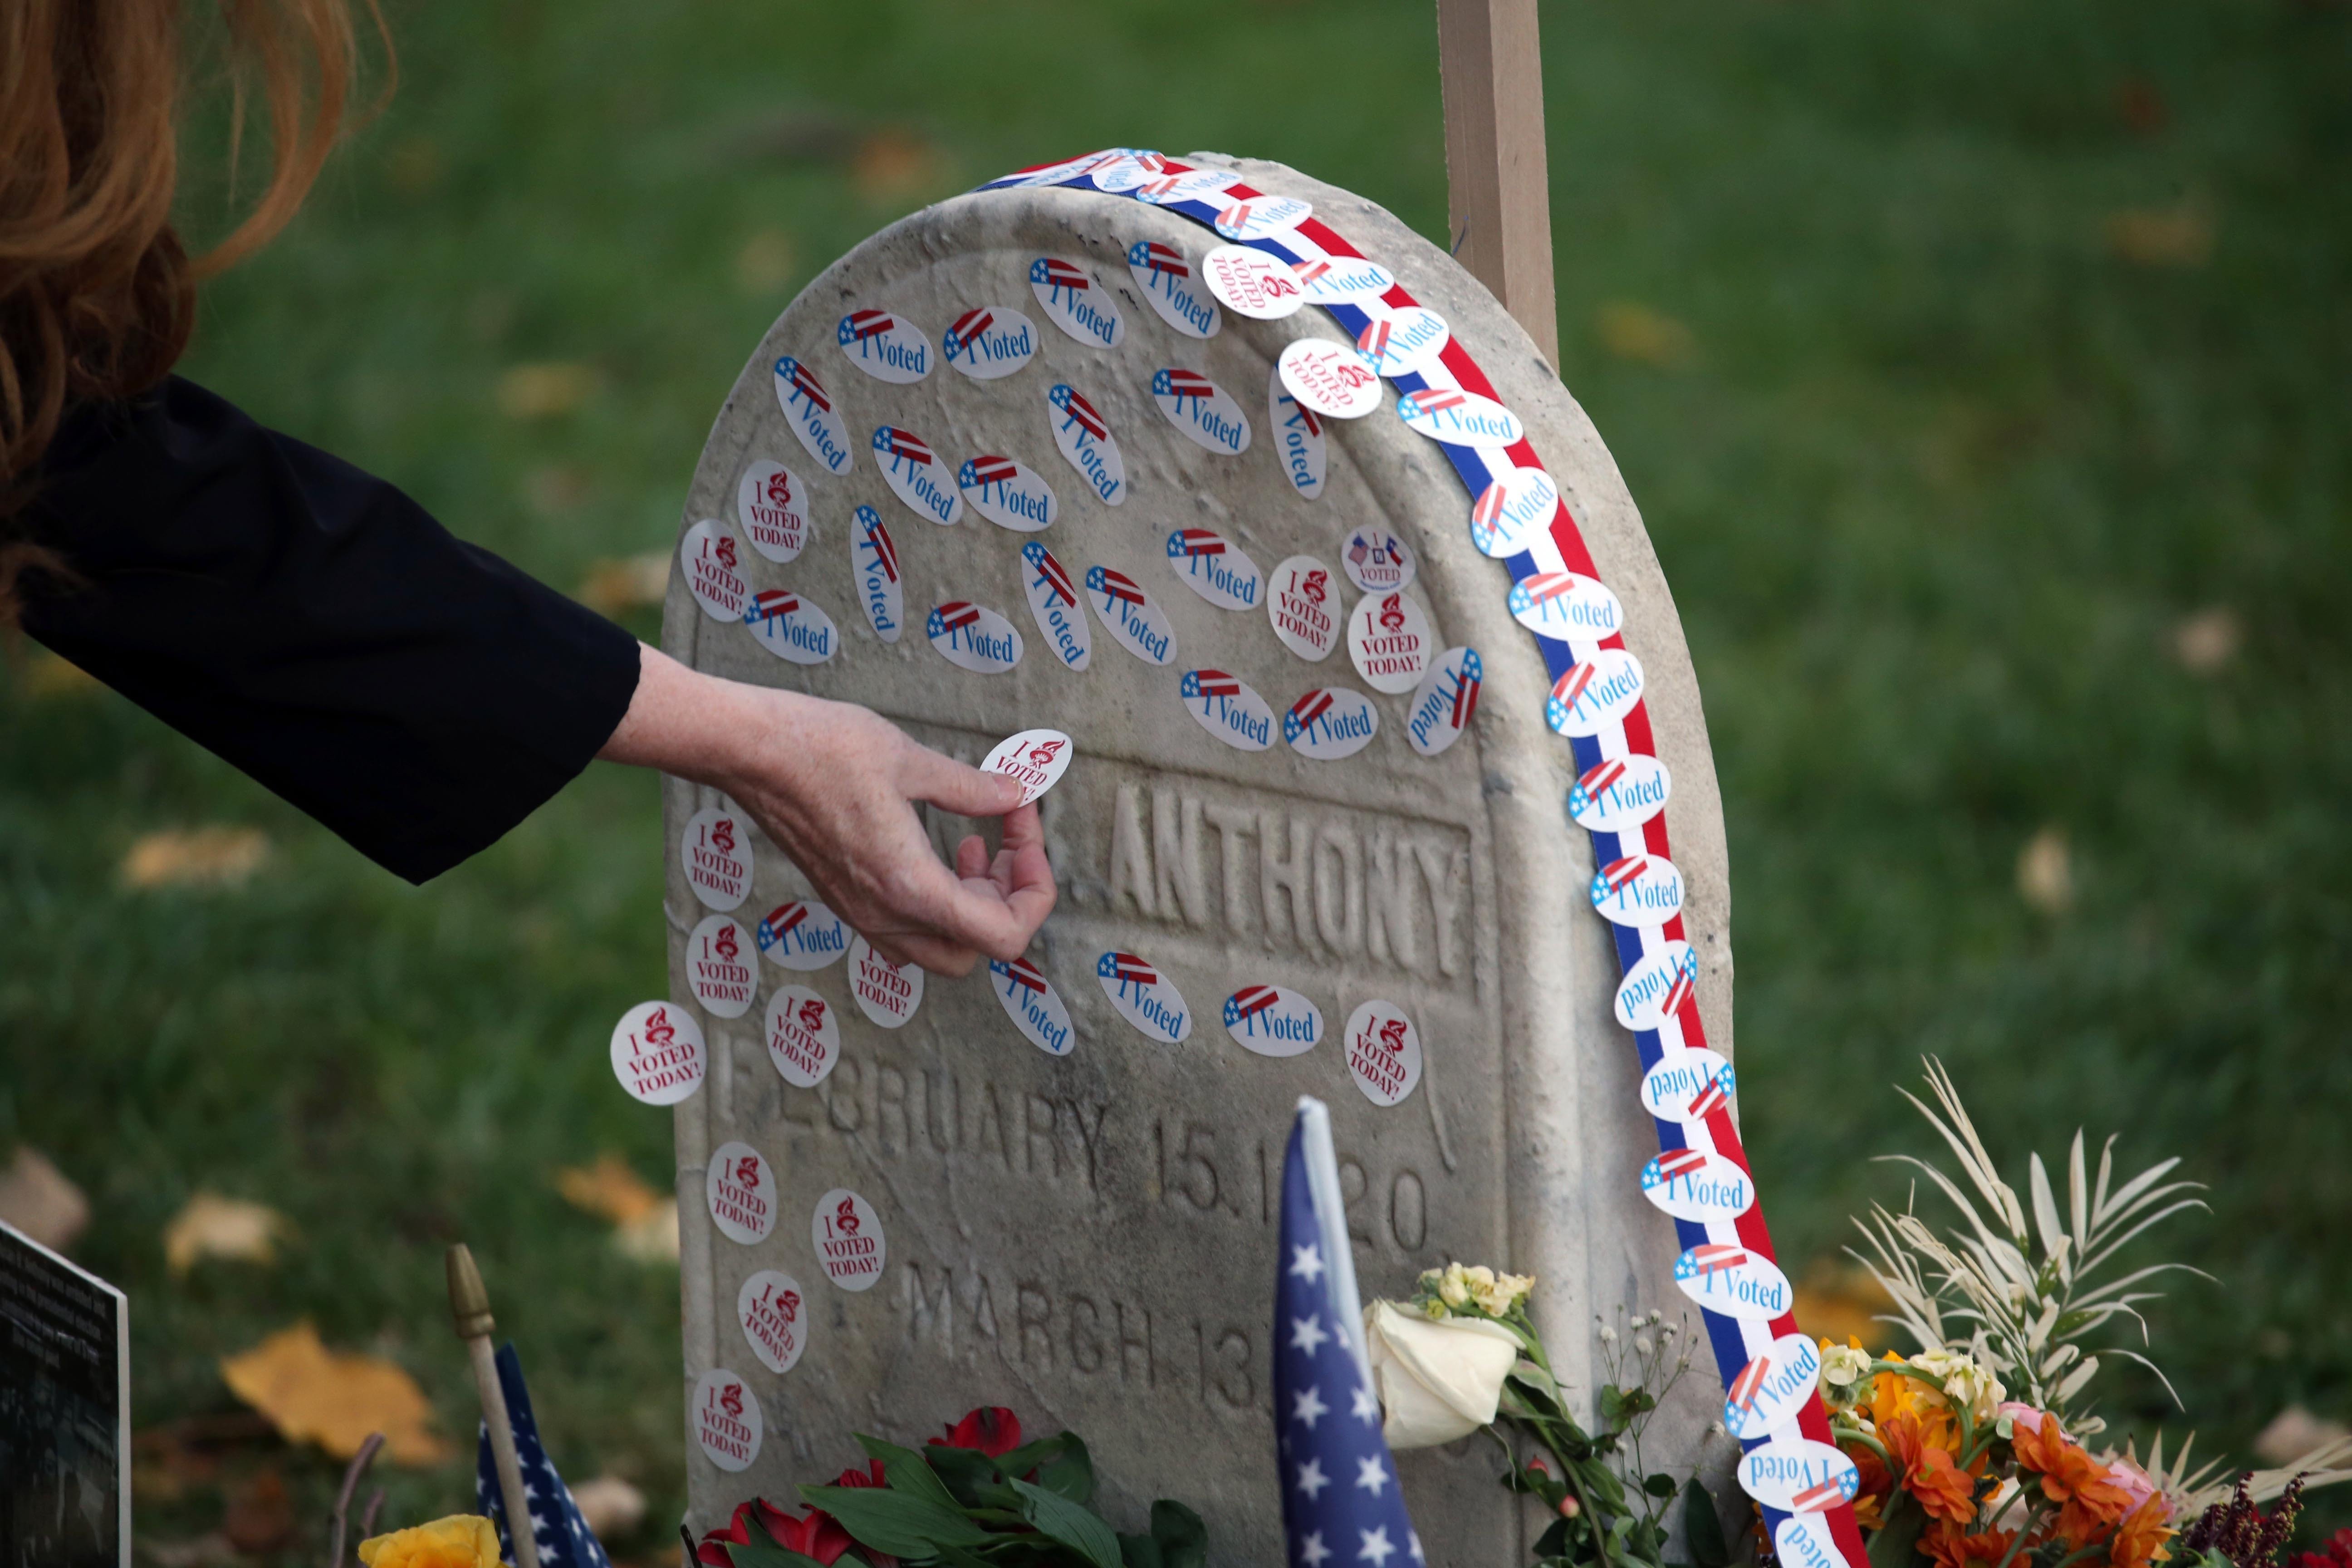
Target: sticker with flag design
[(771, 503), (1032, 1004), (1797, 1475), (1445, 701), (1693, 1185), (1075, 303), (1331, 722), (1687, 1086), (658, 1054), (1640, 890), (1806, 1541), (1252, 283), (847, 1235), (1722, 1276), (1261, 218), (916, 477), (1214, 569), (1460, 418), (887, 992), (1192, 186), (1144, 997), (1084, 441), (775, 1319), (1125, 168), (1390, 642), (873, 566), (1567, 606), (1619, 794), (740, 1188), (1595, 694), (1034, 759), (721, 967), (802, 935), (1132, 617), (885, 346), (791, 627), (1175, 296), (1272, 1021), (1226, 708), (1298, 431), (1054, 605), (804, 1036), (716, 851), (727, 1420), (1009, 494), (808, 409), (1300, 604), (1407, 340), (1513, 512), (990, 342), (1328, 378), (1378, 561), (714, 569), (1656, 989), (1383, 1052), (1342, 279), (1204, 412), (972, 636), (1773, 1389)]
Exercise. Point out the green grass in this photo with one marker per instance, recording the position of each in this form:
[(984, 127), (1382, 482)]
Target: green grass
[(1937, 479)]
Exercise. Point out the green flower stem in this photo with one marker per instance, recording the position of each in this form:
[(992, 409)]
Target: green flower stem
[(2034, 1514), (1846, 1434)]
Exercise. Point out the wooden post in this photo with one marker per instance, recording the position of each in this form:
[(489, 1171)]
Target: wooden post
[(1500, 220), (470, 1310)]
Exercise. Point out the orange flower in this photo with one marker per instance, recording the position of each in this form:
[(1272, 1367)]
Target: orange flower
[(1892, 1396), (2139, 1540), (1952, 1549), (1942, 1489), (2090, 1498)]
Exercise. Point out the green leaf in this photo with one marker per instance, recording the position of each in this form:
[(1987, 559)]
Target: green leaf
[(969, 1474), (1029, 1455), (769, 1556), (1140, 1551), (1659, 1485), (1057, 1517), (900, 1523), (1552, 1542), (1183, 1539), (956, 1557), (1070, 1472), (904, 1471), (1703, 1529)]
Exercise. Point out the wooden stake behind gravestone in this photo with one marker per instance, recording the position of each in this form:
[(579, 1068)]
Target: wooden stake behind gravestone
[(1499, 200), (469, 1310)]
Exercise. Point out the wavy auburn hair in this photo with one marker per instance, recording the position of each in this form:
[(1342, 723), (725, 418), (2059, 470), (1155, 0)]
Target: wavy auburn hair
[(97, 291)]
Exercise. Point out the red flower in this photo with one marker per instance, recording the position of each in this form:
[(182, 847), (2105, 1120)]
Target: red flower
[(815, 1534), (993, 1429), (852, 1476), (2337, 1554)]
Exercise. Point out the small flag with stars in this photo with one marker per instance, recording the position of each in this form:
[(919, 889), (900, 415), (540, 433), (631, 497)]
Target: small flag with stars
[(1341, 1507), (563, 1538)]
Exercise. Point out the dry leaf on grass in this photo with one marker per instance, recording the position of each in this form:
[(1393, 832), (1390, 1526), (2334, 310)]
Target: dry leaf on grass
[(2162, 236), (200, 856), (764, 264), (210, 1226), (652, 1238), (311, 1394), (895, 163), (611, 1507), (644, 1221), (2206, 641), (2045, 872), (1840, 1300), (41, 1200), (1632, 331), (538, 391), (2294, 1431), (613, 586)]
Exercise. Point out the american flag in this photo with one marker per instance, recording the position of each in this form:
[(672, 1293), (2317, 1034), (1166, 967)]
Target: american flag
[(1430, 399), (1489, 510), (1545, 587), (1466, 691), (1125, 967), (1679, 1162), (563, 1538), (1707, 1258), (971, 324), (1706, 1103), (1373, 341), (1308, 271), (877, 540), (863, 324), (1821, 1499), (1050, 572), (1745, 1387), (1188, 541), (1205, 683), (987, 470), (901, 444), (1311, 707), (1570, 687), (1617, 873), (1159, 258), (805, 381), (953, 615), (1022, 973), (1114, 584), (1180, 384), (1082, 413), (1249, 1001), (1680, 991), (1599, 777), (770, 602), (1057, 275), (1340, 1502)]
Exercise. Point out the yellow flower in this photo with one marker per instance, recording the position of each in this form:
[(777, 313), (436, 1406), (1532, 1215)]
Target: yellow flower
[(1501, 1292), (1965, 1382), (460, 1541), (1454, 1286), (1843, 1371)]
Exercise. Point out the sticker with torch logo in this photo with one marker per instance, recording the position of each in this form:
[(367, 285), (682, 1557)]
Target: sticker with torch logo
[(1192, 186), (1009, 494), (1084, 441), (1806, 1541), (971, 637), (1260, 217), (1215, 570), (658, 1054), (1638, 891), (1131, 616), (1595, 694), (885, 347), (915, 475), (714, 569), (1406, 341), (802, 935), (1687, 1086), (804, 1036), (1298, 601), (741, 1192), (1328, 378), (1567, 606), (1730, 1279), (1383, 1052), (886, 991), (1125, 168), (1331, 722), (719, 967), (771, 503), (1513, 512), (1227, 709), (1145, 999), (1272, 1021), (1798, 1476), (1620, 795), (808, 409), (874, 565), (1378, 561), (1390, 641), (791, 627), (774, 1320), (1300, 431), (1460, 418), (1445, 701), (1032, 1004), (1342, 279), (1075, 303), (847, 1235), (1252, 283), (1034, 759), (1692, 1184), (716, 850), (1054, 605), (1202, 411), (1656, 989), (1169, 287), (727, 1420), (1773, 1389), (990, 342)]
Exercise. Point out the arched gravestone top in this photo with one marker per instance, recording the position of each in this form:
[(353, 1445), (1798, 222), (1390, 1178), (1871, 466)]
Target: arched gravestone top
[(1091, 1238)]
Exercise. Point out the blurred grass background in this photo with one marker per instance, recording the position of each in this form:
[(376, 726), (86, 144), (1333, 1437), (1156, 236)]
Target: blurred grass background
[(1981, 370)]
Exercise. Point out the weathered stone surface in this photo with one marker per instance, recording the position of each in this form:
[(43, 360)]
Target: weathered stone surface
[(1091, 1238)]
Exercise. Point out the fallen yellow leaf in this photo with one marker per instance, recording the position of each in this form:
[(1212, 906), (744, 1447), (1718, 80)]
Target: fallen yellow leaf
[(608, 1189), (895, 163), (652, 1236), (2045, 872), (208, 857), (537, 391), (41, 1200), (210, 1226), (2162, 236), (765, 263), (1632, 331), (612, 587), (311, 1394)]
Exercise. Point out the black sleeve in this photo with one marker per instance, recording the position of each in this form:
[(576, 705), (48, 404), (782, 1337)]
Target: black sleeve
[(312, 626)]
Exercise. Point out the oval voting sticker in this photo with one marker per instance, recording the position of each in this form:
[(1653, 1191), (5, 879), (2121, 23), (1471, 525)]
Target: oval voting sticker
[(657, 1053), (847, 1235), (1143, 998), (1656, 989), (1619, 794), (1343, 279), (714, 569), (1445, 701), (1032, 1004), (1390, 641), (887, 992), (791, 627), (1298, 601), (873, 569), (1730, 1279), (1034, 759), (1331, 722), (973, 638), (727, 1420), (885, 347), (771, 503), (1799, 1475), (990, 342), (1009, 494), (716, 850), (1215, 570), (1054, 605), (1252, 283), (809, 410), (1772, 1389), (1328, 378), (1053, 173), (1204, 412), (1272, 1021), (1595, 694), (1169, 287), (1192, 186), (1075, 303), (1567, 606), (1687, 1086), (1693, 1185), (1805, 1540), (802, 935), (1638, 891), (1130, 616), (1256, 218), (1084, 441), (1227, 709), (1378, 561), (1383, 1052), (1297, 435), (804, 1036), (1462, 418), (1513, 512), (1124, 168), (719, 960), (741, 1190), (1406, 341), (915, 475), (774, 1320)]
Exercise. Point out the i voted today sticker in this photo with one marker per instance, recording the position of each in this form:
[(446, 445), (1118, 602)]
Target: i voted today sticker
[(1568, 606), (1226, 708), (1619, 794), (847, 1235), (887, 992), (658, 1054), (716, 850), (802, 935), (1329, 723), (1134, 620), (1445, 701), (791, 626), (1202, 412), (804, 1036), (874, 570), (1342, 279), (1798, 1476), (719, 967), (887, 347), (1252, 283), (1595, 694), (775, 1318), (727, 1420), (771, 503), (1378, 561), (1656, 989), (1083, 438), (1773, 1388), (1731, 1279), (1139, 994), (1638, 891), (1297, 438), (1383, 1052), (714, 569), (1402, 341), (916, 476), (1192, 186), (1175, 296), (1514, 510), (1687, 1086), (1034, 759), (1030, 1000), (1272, 1021), (971, 636), (1329, 378), (1259, 217), (1299, 603), (740, 1188), (808, 409), (1009, 494), (1390, 641), (1075, 303), (990, 342), (1215, 569), (1054, 605), (1693, 1185), (1460, 418)]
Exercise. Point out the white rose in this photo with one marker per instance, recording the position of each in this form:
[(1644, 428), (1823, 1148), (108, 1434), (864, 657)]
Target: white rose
[(1437, 1381)]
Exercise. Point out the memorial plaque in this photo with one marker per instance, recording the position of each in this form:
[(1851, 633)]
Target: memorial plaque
[(1086, 1232), (65, 1411)]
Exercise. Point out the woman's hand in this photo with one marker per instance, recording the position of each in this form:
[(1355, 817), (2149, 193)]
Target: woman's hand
[(833, 786)]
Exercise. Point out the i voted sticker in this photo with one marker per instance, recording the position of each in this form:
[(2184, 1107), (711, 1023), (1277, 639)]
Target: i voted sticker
[(1125, 169), (1513, 512), (1730, 1279), (973, 638), (1298, 601), (719, 967), (1461, 418), (1343, 279), (1378, 561), (1034, 759), (1656, 989), (1595, 694), (990, 342), (1009, 494), (1272, 1021), (716, 850), (791, 627), (1258, 217), (775, 1321), (1032, 1004), (915, 475), (808, 409), (771, 503), (1329, 378), (1383, 1052), (1797, 1475), (1619, 794), (1075, 303), (1773, 1389), (1390, 641), (1141, 996), (1131, 616), (1226, 708), (1192, 186), (1693, 1185), (1053, 173), (1567, 606), (802, 935), (1406, 341), (803, 1036), (727, 1420), (714, 569), (874, 570), (1299, 437), (1204, 412), (1445, 701), (1054, 605), (1638, 891), (741, 1189), (847, 1235), (1329, 723), (1252, 283), (658, 1054), (1214, 569), (887, 992), (1083, 439), (1687, 1086), (1806, 1541), (1175, 296), (885, 347)]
